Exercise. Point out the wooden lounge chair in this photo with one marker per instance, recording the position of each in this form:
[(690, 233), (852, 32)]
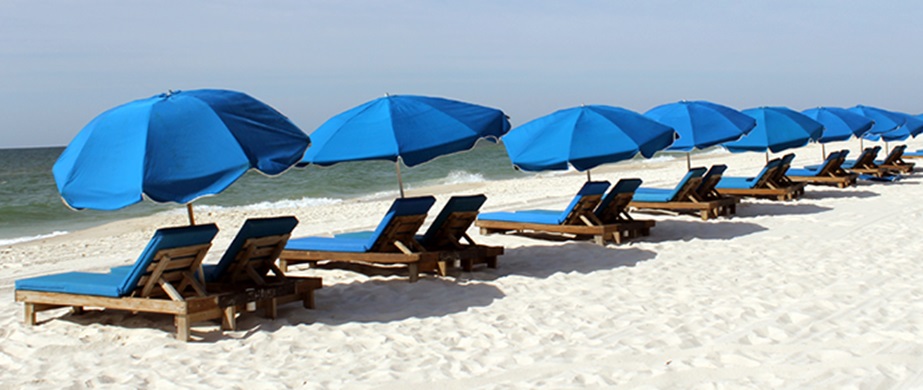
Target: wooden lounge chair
[(161, 281), (577, 220), (247, 272), (829, 172), (865, 165), (392, 243), (895, 162), (448, 231), (763, 185), (613, 210), (692, 194)]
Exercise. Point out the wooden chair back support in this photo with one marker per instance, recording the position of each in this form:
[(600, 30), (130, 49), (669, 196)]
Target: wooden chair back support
[(255, 259), (401, 229), (706, 189), (618, 209), (689, 192), (866, 160), (584, 208), (894, 158), (172, 272), (453, 229)]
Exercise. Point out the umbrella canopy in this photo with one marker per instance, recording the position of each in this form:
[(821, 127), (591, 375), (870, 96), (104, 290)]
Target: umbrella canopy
[(414, 129), (585, 137), (840, 124), (174, 147), (889, 125), (701, 124), (777, 129)]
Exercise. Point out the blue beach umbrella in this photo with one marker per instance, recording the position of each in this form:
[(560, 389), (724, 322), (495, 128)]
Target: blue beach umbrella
[(404, 128), (886, 122), (840, 124), (777, 129), (175, 147), (701, 124), (585, 137)]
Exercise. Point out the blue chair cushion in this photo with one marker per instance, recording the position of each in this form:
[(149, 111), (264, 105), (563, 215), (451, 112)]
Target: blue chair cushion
[(653, 195), (802, 172), (548, 217), (359, 242), (83, 283), (328, 244), (737, 182)]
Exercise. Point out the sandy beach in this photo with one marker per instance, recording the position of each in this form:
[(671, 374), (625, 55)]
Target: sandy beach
[(822, 292)]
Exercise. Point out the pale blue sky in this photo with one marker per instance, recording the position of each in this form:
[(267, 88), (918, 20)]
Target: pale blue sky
[(63, 63)]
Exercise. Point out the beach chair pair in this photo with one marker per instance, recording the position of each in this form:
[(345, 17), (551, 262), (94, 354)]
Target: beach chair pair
[(771, 182), (589, 214), (830, 172), (395, 240), (894, 161), (865, 165), (168, 278), (695, 193)]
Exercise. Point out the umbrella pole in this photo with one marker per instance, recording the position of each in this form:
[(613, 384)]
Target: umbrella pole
[(688, 162), (400, 182), (588, 175), (191, 215), (767, 157), (823, 152), (886, 148)]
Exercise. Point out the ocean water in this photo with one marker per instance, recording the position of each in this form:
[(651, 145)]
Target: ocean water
[(30, 206)]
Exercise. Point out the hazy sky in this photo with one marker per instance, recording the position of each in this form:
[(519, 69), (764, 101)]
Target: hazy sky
[(64, 62)]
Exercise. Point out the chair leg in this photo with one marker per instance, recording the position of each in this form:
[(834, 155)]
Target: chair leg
[(182, 327), (29, 314), (308, 301), (229, 318), (271, 308), (413, 270)]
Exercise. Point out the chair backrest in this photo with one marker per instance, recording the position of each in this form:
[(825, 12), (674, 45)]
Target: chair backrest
[(688, 185), (866, 159), (170, 253), (778, 177), (706, 189), (452, 222), (762, 179), (894, 158), (828, 167), (613, 207), (583, 203), (400, 223), (837, 166), (257, 246)]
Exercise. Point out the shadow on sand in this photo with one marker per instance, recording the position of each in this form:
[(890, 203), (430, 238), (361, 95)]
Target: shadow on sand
[(678, 230), (749, 210), (837, 194)]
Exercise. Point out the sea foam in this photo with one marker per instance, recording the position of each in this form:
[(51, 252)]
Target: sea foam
[(11, 241)]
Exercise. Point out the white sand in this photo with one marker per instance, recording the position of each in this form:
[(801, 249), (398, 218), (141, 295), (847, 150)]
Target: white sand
[(823, 292)]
